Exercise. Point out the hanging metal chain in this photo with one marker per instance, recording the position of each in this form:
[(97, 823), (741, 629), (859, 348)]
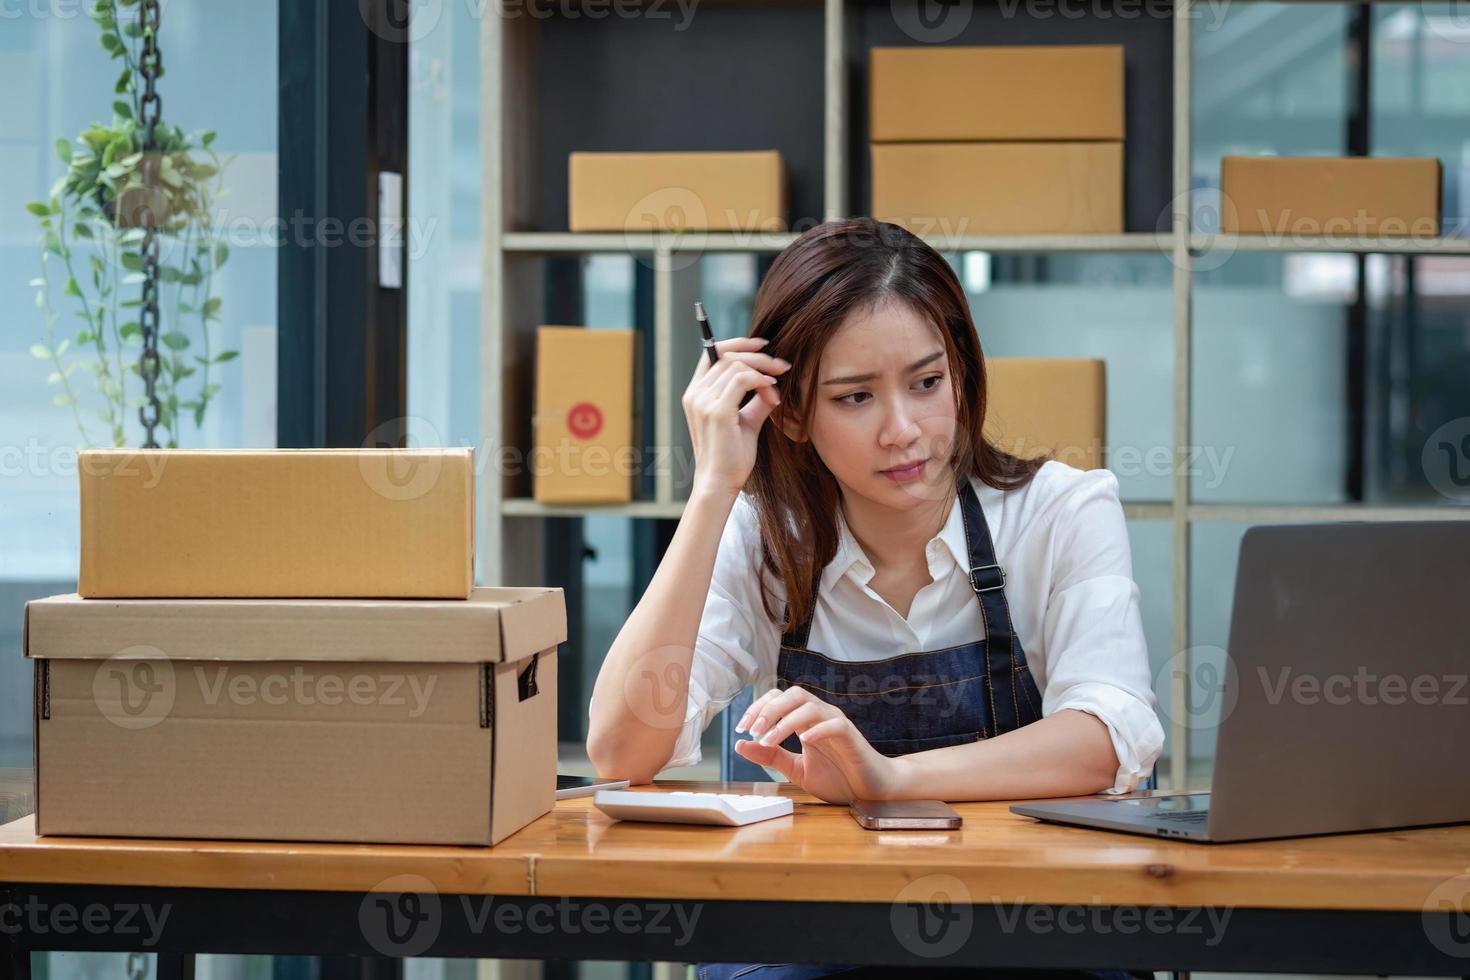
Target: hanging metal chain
[(150, 64)]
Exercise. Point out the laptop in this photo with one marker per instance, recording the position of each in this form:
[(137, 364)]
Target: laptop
[(1345, 697)]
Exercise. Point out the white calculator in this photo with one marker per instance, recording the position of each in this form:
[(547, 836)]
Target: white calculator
[(682, 806)]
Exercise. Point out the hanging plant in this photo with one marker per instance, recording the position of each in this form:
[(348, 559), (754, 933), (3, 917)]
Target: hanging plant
[(127, 241)]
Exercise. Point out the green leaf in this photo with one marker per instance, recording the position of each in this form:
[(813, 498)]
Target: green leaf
[(40, 352), (175, 340)]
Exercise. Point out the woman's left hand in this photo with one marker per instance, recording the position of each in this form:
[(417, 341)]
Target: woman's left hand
[(836, 762)]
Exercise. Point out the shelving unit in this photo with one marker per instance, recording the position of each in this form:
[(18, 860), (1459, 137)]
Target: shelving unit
[(509, 522)]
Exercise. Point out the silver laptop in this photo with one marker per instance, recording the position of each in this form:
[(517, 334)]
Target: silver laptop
[(1346, 699)]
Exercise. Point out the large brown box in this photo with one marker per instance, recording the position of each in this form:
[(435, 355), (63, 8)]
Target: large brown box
[(1346, 197), (663, 192), (930, 93), (401, 721), (949, 189), (583, 424), (395, 523), (1054, 406)]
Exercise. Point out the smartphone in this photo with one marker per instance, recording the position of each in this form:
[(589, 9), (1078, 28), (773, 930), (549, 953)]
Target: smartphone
[(904, 815), (571, 787)]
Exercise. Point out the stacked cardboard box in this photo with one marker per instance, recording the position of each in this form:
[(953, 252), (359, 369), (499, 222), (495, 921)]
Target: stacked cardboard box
[(1344, 197), (288, 645), (669, 191), (998, 140)]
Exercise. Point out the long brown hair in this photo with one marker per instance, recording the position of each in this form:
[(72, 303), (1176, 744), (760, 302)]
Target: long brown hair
[(826, 273)]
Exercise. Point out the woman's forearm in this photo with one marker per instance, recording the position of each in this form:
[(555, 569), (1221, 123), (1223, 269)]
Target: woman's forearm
[(1065, 754), (642, 688)]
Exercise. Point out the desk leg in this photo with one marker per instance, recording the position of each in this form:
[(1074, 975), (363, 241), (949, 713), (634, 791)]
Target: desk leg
[(15, 964), (175, 966)]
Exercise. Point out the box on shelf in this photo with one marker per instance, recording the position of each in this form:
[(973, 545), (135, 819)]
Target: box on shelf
[(392, 721), (394, 523), (934, 92), (1048, 405), (743, 191), (950, 189), (583, 423), (1345, 197)]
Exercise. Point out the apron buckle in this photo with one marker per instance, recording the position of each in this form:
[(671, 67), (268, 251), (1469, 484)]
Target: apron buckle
[(993, 582)]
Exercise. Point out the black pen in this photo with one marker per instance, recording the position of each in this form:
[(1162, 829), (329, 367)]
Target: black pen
[(709, 338)]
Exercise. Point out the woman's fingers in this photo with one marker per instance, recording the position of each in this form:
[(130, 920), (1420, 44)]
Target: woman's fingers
[(776, 708), (798, 719)]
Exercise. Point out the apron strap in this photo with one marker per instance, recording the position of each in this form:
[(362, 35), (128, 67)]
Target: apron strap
[(988, 580)]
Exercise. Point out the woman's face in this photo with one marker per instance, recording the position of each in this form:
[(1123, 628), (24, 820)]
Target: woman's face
[(884, 398)]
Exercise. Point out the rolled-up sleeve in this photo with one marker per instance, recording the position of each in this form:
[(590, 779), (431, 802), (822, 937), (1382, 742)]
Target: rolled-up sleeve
[(1097, 657), (737, 642)]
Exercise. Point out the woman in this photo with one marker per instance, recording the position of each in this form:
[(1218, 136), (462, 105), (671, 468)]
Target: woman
[(934, 617)]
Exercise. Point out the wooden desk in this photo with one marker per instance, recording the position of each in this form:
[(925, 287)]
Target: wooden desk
[(1003, 890)]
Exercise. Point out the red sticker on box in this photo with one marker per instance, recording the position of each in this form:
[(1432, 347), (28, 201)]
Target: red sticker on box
[(585, 420)]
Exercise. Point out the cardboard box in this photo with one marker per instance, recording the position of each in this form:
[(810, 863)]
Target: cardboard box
[(282, 522), (583, 424), (660, 192), (1048, 406), (938, 92), (394, 721), (1344, 197), (949, 189)]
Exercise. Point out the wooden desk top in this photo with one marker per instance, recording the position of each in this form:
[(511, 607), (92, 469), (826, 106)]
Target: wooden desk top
[(817, 854)]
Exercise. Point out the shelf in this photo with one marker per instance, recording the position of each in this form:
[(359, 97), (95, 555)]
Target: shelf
[(549, 242), (1314, 513), (1401, 245), (673, 510)]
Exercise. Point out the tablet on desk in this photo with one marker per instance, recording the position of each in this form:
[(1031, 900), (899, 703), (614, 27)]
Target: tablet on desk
[(570, 787)]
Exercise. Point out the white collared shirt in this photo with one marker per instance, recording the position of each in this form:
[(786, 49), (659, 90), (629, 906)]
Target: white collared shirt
[(1063, 542)]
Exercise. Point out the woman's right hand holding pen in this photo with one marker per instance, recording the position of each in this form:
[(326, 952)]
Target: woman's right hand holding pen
[(723, 433)]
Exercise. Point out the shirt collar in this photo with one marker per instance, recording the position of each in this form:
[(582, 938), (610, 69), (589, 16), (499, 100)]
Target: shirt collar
[(850, 554)]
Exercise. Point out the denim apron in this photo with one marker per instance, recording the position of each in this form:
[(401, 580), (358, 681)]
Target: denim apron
[(917, 701)]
